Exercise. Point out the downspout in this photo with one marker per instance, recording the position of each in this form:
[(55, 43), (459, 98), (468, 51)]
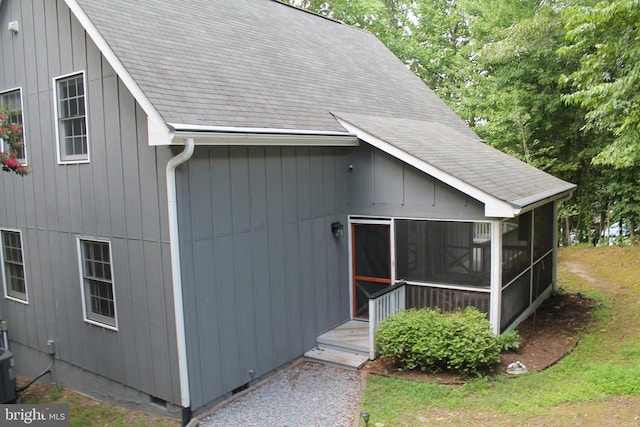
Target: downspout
[(176, 277)]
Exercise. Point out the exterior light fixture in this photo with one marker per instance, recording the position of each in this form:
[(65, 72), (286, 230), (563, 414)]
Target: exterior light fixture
[(337, 229), (13, 26), (365, 417)]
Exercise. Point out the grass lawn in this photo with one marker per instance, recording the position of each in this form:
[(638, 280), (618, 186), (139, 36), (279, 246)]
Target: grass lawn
[(85, 411), (597, 384)]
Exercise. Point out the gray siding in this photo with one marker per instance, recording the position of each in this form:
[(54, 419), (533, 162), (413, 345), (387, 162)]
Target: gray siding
[(380, 185), (263, 275), (119, 196)]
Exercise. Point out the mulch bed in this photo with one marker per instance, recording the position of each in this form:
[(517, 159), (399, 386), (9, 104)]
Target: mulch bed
[(546, 336)]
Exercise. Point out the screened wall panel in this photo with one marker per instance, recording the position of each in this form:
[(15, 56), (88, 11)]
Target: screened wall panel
[(445, 299), (442, 252), (515, 299)]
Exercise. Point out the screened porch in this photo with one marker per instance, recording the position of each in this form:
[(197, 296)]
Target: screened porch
[(448, 265)]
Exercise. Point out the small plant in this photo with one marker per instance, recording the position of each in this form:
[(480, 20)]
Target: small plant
[(509, 341), (429, 340)]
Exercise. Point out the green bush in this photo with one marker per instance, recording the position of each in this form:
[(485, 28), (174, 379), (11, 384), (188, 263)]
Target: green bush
[(429, 340)]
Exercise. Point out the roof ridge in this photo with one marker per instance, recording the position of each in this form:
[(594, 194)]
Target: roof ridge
[(306, 11)]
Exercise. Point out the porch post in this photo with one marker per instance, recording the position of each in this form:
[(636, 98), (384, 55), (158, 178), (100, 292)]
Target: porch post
[(495, 304)]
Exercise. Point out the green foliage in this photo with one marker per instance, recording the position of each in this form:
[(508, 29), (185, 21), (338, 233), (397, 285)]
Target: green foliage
[(429, 340), (509, 341), (605, 38)]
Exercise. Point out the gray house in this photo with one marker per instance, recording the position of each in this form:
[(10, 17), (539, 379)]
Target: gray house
[(214, 184)]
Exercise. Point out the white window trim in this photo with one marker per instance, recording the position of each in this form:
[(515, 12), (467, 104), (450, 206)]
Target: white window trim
[(68, 161), (79, 240), (4, 277), (24, 161)]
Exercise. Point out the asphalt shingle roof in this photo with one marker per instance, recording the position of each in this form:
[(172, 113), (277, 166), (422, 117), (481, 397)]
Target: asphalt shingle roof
[(263, 64)]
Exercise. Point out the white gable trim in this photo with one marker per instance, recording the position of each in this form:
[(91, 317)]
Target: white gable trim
[(157, 129), (493, 207)]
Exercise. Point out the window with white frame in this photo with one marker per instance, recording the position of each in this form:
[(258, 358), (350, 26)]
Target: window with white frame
[(97, 282), (71, 119), (15, 285), (11, 101)]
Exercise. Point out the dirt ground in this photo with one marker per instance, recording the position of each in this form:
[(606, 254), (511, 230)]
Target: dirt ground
[(546, 336)]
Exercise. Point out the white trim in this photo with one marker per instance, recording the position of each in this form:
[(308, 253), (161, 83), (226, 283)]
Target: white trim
[(495, 305), (446, 286), (24, 269), (493, 207), (24, 127), (176, 270), (196, 129), (158, 132), (223, 135), (76, 159), (79, 240)]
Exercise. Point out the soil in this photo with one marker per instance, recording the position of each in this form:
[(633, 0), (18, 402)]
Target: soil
[(546, 337)]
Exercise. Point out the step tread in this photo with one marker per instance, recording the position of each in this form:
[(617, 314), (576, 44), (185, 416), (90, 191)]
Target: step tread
[(337, 357)]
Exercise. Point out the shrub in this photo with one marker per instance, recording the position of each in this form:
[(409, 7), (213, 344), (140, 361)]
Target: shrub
[(429, 340)]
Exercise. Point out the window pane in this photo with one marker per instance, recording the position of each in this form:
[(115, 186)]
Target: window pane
[(73, 125), (12, 101), (13, 265), (98, 286)]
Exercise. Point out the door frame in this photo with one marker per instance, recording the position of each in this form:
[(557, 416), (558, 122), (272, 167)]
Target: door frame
[(354, 220)]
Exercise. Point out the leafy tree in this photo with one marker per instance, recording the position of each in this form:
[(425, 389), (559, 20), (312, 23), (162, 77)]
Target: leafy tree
[(607, 82)]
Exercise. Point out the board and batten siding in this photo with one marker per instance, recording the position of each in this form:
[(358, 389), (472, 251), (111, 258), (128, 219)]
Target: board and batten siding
[(383, 186), (263, 275), (120, 196)]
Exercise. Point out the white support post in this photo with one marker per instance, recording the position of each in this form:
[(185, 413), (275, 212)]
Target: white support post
[(495, 306), (372, 328)]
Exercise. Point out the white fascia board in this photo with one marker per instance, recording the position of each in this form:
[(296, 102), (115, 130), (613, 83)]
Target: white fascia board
[(157, 129), (222, 135), (493, 207)]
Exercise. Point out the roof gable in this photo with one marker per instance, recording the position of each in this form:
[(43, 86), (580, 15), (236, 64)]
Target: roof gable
[(236, 72)]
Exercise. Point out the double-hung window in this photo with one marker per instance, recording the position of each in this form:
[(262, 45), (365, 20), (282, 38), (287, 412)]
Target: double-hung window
[(71, 119), (99, 303), (11, 102), (15, 284)]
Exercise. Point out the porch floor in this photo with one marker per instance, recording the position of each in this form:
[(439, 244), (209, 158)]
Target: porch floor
[(346, 346)]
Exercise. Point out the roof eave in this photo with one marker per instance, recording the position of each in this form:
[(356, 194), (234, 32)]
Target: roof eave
[(532, 202), (230, 136)]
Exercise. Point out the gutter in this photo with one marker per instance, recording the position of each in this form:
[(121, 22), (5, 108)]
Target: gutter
[(176, 276)]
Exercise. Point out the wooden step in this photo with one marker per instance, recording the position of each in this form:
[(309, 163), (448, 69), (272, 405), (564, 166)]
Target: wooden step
[(337, 358)]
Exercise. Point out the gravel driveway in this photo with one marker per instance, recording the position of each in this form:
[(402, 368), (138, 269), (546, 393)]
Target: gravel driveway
[(306, 395)]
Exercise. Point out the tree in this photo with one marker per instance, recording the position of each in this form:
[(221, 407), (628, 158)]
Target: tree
[(607, 82)]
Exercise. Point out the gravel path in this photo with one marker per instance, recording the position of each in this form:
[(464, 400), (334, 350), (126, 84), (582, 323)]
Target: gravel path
[(306, 395)]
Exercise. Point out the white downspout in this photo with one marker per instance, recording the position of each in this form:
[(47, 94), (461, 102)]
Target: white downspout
[(176, 273)]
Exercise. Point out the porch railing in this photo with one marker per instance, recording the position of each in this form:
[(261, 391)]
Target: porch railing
[(382, 305)]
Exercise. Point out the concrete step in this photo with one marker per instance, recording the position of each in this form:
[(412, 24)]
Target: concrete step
[(337, 358)]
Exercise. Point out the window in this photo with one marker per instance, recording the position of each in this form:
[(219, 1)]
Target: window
[(15, 285), (11, 100), (97, 283), (71, 119)]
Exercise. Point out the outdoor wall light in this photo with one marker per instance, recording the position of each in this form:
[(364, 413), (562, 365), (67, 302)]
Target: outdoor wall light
[(365, 417), (13, 27), (337, 229)]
